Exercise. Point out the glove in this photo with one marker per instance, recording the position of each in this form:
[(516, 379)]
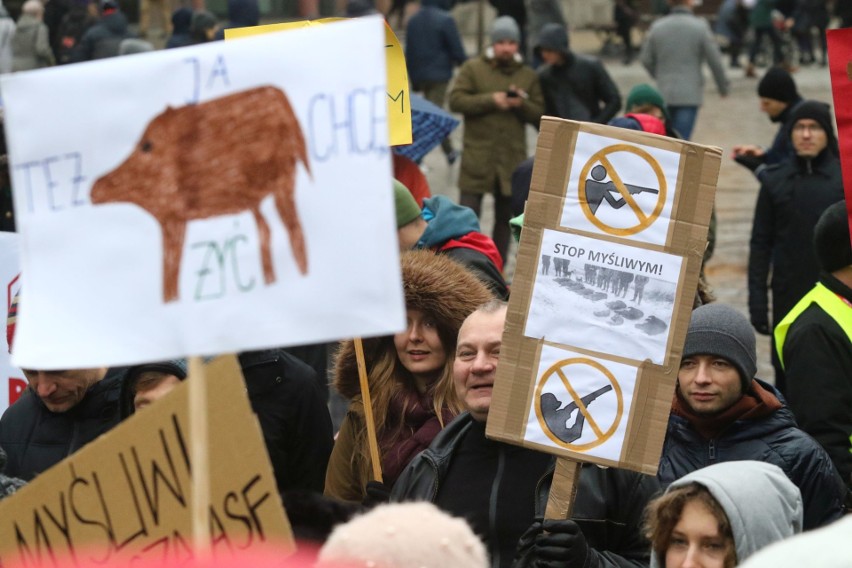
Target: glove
[(749, 161), (560, 545), (377, 494), (760, 325)]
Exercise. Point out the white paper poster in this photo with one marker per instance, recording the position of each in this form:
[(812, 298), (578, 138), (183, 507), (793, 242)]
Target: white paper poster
[(611, 298), (223, 197), (621, 189), (12, 382), (581, 403)]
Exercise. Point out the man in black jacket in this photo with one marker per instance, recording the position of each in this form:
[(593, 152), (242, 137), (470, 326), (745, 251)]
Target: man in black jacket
[(793, 196), (501, 489), (814, 344), (575, 86), (721, 413), (284, 395)]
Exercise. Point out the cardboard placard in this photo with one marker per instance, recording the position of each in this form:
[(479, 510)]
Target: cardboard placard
[(220, 197), (127, 495), (840, 69), (12, 382), (614, 232), (398, 91)]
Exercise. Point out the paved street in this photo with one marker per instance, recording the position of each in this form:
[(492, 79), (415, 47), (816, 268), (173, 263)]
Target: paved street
[(721, 122)]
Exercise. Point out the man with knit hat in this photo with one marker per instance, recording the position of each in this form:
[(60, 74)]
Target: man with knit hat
[(778, 97), (722, 413), (576, 87), (498, 96), (451, 229), (814, 343), (792, 197)]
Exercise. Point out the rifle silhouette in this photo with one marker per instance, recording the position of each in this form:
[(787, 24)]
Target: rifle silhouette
[(556, 420)]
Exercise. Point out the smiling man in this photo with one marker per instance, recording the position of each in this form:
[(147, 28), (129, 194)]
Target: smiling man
[(501, 489), (721, 413)]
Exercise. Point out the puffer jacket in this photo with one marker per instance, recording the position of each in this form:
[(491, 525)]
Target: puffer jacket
[(494, 140), (609, 505), (36, 439), (774, 439)]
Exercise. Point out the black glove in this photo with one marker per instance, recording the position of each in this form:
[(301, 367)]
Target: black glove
[(749, 161), (377, 493), (561, 544), (761, 325)]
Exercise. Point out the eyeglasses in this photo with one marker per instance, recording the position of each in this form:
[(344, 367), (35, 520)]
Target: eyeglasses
[(802, 128)]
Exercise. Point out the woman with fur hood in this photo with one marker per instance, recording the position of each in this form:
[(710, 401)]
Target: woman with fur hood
[(410, 375)]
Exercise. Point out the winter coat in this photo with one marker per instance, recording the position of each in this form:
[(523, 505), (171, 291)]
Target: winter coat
[(433, 284), (761, 504), (7, 33), (494, 140), (433, 46), (817, 358), (31, 45), (791, 199), (579, 89), (103, 39), (36, 439), (453, 230), (674, 52), (609, 504), (782, 147), (773, 439)]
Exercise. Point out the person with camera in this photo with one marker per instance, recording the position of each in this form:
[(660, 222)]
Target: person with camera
[(498, 95)]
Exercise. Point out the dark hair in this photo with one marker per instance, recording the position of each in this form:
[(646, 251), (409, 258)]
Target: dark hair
[(664, 512)]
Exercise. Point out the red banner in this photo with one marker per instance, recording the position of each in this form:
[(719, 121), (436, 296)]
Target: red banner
[(840, 67)]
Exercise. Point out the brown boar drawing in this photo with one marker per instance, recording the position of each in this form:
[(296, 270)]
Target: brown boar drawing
[(214, 158)]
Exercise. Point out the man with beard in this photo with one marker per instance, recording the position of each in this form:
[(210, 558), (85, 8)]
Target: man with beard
[(721, 413), (498, 95)]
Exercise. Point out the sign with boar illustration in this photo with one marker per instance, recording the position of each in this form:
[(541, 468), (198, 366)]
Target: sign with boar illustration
[(217, 198)]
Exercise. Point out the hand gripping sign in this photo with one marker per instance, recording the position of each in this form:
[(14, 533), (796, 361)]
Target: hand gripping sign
[(613, 238)]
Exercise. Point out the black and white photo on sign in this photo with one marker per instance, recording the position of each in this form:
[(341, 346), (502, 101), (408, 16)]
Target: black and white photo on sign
[(620, 189), (604, 297), (580, 403)]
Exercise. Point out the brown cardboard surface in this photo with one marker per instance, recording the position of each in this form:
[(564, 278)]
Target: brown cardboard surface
[(127, 495), (686, 238)]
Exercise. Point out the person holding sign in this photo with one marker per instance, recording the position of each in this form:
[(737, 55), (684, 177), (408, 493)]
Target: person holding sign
[(410, 376), (722, 413), (501, 489), (720, 515), (498, 95)]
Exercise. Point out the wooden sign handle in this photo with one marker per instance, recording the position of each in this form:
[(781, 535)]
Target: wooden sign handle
[(563, 489), (198, 451), (368, 411)]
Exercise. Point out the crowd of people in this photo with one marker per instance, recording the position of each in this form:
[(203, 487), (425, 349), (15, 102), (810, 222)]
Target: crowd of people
[(747, 464)]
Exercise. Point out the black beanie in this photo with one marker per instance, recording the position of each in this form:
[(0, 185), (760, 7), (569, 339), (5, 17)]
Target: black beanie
[(778, 84), (721, 331), (831, 238), (821, 113)]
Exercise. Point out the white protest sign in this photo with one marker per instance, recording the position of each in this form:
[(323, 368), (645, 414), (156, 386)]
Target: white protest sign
[(12, 382), (222, 197)]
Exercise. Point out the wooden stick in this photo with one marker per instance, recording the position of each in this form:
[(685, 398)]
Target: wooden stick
[(563, 489), (198, 451), (368, 410)]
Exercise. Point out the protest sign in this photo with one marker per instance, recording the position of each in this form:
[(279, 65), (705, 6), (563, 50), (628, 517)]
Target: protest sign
[(12, 382), (210, 199), (398, 90), (614, 233), (126, 496), (840, 69)]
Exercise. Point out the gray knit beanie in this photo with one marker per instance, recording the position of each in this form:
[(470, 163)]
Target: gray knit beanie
[(720, 330), (505, 28)]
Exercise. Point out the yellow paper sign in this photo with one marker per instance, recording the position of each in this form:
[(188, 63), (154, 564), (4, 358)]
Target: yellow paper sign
[(398, 91)]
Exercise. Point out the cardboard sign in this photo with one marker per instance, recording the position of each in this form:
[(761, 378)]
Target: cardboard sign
[(840, 68), (126, 496), (398, 92), (614, 232), (12, 382), (211, 199)]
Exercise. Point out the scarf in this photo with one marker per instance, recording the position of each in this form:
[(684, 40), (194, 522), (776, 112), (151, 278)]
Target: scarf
[(758, 403)]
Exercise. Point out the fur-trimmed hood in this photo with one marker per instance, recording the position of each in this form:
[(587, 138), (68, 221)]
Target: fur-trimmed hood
[(433, 283)]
